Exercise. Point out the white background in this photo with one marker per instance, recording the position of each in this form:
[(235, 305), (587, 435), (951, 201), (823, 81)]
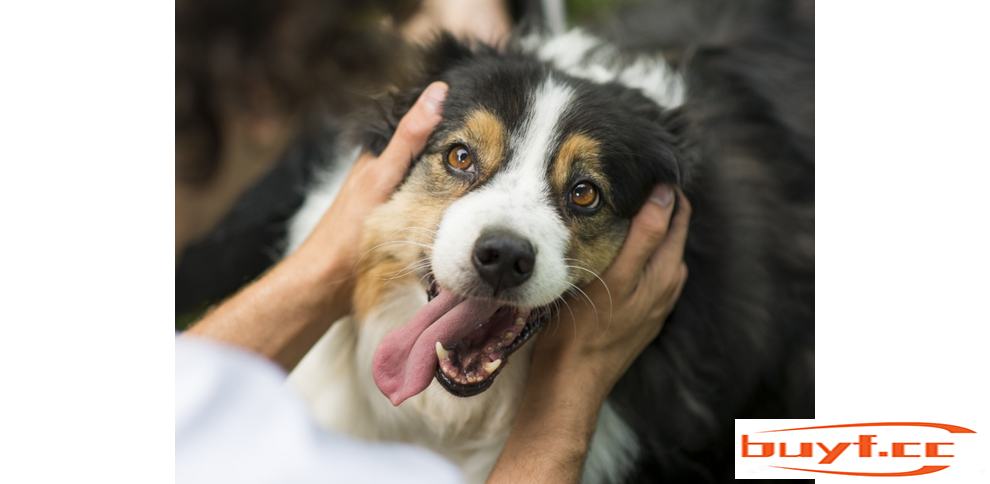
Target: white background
[(903, 214), (86, 199)]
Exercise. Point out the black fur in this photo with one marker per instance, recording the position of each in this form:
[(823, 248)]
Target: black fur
[(740, 343)]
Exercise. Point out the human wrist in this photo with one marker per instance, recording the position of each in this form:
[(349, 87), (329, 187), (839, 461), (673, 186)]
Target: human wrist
[(283, 313), (325, 279), (556, 421), (565, 379), (567, 366)]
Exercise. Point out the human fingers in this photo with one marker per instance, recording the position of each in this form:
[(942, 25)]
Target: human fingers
[(665, 267), (414, 130), (670, 253), (680, 284), (647, 231)]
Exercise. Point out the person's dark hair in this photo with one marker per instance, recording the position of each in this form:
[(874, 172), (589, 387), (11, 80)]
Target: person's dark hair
[(273, 56)]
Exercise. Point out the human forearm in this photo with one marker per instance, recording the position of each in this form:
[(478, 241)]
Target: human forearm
[(282, 314), (556, 421)]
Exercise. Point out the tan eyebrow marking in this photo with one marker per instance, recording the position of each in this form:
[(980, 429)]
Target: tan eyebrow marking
[(577, 149), (487, 135)]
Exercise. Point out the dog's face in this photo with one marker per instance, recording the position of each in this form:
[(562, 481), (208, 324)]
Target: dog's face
[(523, 194)]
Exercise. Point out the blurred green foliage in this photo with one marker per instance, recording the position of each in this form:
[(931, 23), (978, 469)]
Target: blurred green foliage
[(582, 10)]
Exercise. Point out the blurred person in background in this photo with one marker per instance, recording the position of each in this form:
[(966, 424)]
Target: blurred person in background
[(247, 75)]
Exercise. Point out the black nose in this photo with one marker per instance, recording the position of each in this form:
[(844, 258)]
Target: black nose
[(503, 260)]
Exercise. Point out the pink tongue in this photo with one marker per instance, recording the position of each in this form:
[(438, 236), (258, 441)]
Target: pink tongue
[(406, 360)]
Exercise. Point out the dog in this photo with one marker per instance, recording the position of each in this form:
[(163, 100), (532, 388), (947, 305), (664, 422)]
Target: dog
[(548, 146)]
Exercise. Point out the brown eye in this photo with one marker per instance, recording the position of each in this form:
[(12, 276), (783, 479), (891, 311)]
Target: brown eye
[(584, 194), (460, 158)]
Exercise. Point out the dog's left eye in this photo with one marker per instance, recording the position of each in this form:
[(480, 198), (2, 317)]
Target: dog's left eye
[(459, 157), (585, 195)]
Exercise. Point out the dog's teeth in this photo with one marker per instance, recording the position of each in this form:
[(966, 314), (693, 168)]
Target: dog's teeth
[(490, 348), (491, 366), (508, 335), (441, 353), (520, 321)]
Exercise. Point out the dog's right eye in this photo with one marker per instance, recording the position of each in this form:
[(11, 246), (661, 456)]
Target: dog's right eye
[(459, 157), (585, 195)]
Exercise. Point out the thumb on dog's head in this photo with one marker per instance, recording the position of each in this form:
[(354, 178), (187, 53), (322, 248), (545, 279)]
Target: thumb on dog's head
[(649, 230), (666, 263), (415, 127)]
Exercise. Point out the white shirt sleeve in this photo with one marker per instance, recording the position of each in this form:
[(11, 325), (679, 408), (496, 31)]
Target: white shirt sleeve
[(236, 421)]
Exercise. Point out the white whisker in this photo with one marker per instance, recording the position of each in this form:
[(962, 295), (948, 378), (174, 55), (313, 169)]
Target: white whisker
[(607, 291), (391, 242), (405, 271), (589, 301), (420, 264)]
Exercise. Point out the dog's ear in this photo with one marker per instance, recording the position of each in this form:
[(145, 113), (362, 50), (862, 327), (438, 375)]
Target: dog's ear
[(676, 123), (379, 121), (652, 145), (665, 138)]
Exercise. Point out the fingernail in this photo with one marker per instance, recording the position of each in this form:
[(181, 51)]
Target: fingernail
[(434, 96), (662, 195)]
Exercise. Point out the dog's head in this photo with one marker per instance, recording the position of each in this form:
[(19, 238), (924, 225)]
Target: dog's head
[(523, 194)]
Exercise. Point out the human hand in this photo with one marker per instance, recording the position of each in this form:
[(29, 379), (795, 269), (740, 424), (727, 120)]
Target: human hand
[(283, 314), (488, 21), (370, 183), (573, 371), (625, 310)]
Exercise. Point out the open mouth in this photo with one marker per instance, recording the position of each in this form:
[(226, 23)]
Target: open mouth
[(462, 342), (469, 366)]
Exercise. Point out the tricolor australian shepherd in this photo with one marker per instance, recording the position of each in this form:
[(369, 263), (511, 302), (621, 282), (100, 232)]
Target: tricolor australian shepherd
[(548, 147)]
